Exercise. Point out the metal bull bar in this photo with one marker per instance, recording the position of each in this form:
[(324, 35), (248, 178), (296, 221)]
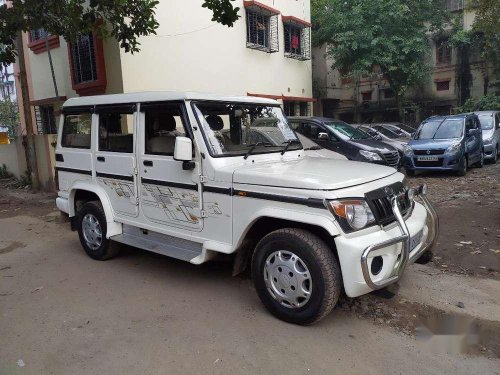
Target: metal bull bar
[(404, 238)]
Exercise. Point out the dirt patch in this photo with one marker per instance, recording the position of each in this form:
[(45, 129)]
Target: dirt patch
[(13, 246), (469, 216), (455, 333), (15, 201)]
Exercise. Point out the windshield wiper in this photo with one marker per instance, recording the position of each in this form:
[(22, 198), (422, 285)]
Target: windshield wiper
[(313, 148), (288, 144), (254, 146)]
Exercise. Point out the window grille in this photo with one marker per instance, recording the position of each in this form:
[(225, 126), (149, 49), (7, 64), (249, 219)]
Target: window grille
[(84, 59), (297, 42), (454, 5), (443, 86), (262, 31), (443, 52), (38, 34), (45, 119)]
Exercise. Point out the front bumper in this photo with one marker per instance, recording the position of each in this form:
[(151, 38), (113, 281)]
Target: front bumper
[(392, 244), (445, 162)]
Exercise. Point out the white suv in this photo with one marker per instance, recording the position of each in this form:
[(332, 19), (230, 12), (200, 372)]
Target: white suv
[(191, 176)]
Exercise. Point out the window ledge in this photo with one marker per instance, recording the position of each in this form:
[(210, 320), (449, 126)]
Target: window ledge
[(91, 88), (296, 56), (40, 46), (262, 48)]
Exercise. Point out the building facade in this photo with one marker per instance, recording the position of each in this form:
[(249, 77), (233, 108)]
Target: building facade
[(370, 98), (266, 53)]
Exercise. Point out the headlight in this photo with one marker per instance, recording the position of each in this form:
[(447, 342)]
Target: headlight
[(352, 214), (408, 151), (372, 156), (488, 139), (454, 148)]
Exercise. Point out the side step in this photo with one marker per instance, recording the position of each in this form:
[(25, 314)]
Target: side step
[(159, 243)]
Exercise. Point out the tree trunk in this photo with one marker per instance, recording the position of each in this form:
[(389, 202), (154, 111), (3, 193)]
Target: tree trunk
[(29, 143)]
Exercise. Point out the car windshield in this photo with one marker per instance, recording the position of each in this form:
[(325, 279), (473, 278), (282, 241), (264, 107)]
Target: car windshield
[(389, 133), (343, 130), (235, 129), (486, 121), (441, 129)]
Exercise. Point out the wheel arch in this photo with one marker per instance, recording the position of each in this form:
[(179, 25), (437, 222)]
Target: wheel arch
[(87, 192)]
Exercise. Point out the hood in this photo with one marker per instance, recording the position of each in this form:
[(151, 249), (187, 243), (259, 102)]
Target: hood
[(487, 134), (324, 153), (431, 144), (311, 173), (372, 145)]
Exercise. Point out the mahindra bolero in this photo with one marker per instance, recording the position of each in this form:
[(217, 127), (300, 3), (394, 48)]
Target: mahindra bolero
[(190, 176)]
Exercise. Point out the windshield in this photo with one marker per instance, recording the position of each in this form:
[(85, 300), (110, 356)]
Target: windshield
[(232, 129), (389, 133), (343, 130), (486, 121), (439, 129)]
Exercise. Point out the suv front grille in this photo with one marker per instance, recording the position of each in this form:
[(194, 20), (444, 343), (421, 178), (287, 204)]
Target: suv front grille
[(429, 152), (392, 158), (380, 202)]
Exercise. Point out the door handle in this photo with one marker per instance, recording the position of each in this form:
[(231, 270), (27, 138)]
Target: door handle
[(148, 163), (101, 159)]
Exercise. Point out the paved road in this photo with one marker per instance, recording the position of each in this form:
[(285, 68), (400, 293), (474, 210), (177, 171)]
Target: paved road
[(63, 313)]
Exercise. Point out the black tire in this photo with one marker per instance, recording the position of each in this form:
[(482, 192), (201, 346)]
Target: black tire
[(463, 166), (410, 172), (104, 251), (495, 155), (325, 275), (425, 258), (480, 163)]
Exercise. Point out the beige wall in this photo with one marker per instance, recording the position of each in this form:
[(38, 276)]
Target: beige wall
[(191, 52), (12, 155)]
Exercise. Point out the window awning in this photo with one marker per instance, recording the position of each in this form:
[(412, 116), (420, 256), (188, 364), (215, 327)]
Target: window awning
[(284, 97), (291, 20), (257, 7)]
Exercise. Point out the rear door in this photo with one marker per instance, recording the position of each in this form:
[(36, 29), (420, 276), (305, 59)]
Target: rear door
[(115, 162), (169, 190)]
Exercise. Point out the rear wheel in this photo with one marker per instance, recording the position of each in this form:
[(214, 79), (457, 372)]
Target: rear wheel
[(463, 166), (495, 155), (296, 275), (92, 231)]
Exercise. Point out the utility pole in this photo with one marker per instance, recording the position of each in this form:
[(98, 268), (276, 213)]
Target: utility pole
[(29, 143)]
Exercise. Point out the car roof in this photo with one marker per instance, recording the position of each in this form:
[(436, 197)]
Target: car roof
[(314, 118), (157, 96), (486, 112)]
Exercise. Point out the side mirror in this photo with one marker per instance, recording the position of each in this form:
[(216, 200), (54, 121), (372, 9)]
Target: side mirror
[(323, 136), (183, 149)]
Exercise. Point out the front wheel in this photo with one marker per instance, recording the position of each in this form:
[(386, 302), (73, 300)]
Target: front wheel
[(495, 155), (480, 163), (463, 167), (296, 275)]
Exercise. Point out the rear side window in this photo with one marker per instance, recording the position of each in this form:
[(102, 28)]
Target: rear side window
[(77, 130), (116, 131)]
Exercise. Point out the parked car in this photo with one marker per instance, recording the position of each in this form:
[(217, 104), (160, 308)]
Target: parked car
[(152, 170), (314, 150), (386, 136), (340, 137), (399, 128), (490, 126), (443, 143)]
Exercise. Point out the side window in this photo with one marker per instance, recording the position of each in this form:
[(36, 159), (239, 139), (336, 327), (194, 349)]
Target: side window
[(77, 131), (311, 130), (116, 131), (469, 124), (295, 126), (163, 123), (497, 122)]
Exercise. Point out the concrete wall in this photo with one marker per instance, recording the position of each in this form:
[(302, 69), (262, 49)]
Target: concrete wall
[(190, 52), (12, 155)]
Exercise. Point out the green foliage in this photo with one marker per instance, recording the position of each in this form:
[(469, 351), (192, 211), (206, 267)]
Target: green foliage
[(391, 35), (9, 116), (487, 25), (490, 102), (4, 172), (125, 20)]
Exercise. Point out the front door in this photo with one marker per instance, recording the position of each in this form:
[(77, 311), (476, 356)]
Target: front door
[(115, 157), (473, 139), (169, 190)]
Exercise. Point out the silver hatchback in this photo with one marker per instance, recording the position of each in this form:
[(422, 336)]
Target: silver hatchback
[(490, 124)]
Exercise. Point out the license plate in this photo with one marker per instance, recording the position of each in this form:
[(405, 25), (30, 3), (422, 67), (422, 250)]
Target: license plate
[(427, 158), (415, 240)]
